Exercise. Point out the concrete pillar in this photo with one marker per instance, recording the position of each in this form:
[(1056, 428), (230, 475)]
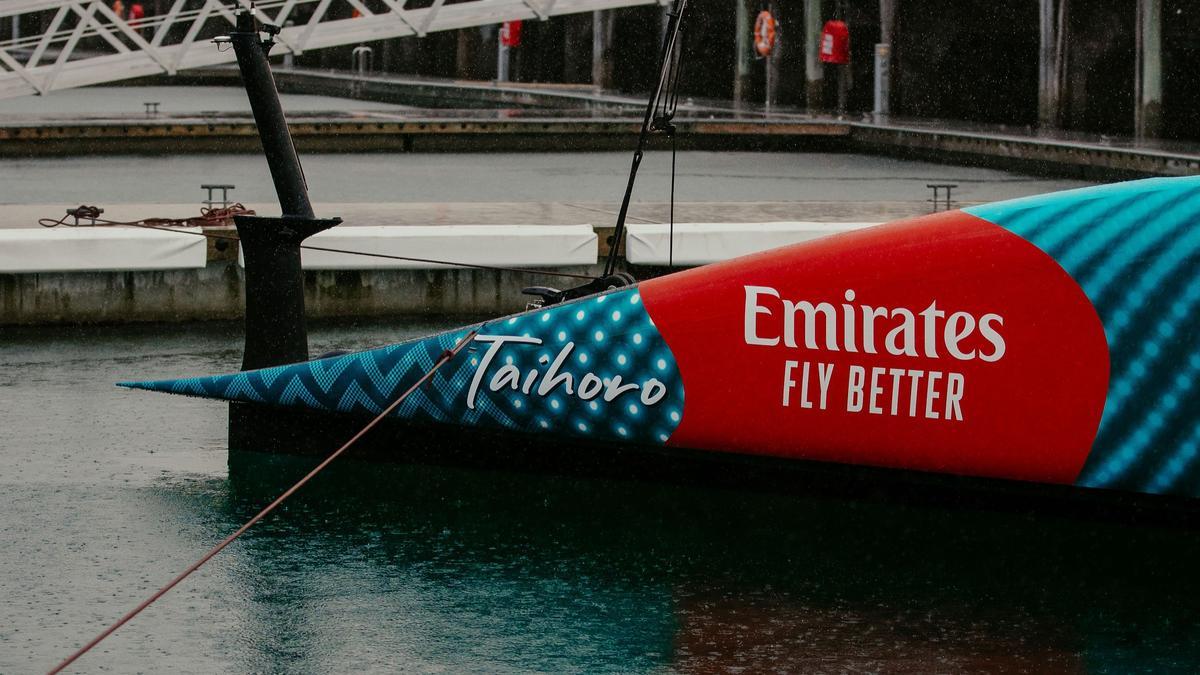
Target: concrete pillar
[(1047, 53), (772, 63), (883, 80), (813, 70), (742, 57), (887, 20), (502, 61), (1148, 111), (884, 57), (570, 46), (602, 29), (1051, 61), (463, 56)]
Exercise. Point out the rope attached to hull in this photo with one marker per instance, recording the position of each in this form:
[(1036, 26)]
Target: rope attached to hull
[(442, 360)]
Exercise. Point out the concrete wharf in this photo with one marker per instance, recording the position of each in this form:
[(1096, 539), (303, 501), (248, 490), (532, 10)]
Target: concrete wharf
[(74, 287), (484, 116), (15, 216), (514, 118)]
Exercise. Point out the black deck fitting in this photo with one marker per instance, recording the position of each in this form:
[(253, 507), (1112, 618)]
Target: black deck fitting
[(937, 198), (275, 328)]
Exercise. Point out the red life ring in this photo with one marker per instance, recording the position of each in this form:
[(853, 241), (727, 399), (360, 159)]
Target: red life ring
[(764, 33)]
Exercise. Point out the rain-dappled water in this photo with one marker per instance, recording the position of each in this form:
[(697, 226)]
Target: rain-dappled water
[(106, 493)]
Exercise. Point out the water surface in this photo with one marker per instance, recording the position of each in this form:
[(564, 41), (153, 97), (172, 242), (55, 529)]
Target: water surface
[(107, 493)]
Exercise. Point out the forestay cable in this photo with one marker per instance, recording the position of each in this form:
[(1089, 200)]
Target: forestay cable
[(660, 110)]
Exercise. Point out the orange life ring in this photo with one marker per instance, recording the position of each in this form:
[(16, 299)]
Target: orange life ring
[(764, 33)]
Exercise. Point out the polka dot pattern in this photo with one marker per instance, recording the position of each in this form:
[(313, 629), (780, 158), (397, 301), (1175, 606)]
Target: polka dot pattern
[(624, 383)]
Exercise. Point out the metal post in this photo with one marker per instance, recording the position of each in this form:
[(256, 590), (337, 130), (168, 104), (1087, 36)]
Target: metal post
[(769, 80), (462, 55), (884, 55), (769, 77), (1047, 51), (1050, 62), (601, 38), (362, 60), (844, 73), (742, 58), (814, 73), (883, 84), (289, 59), (501, 57), (268, 116), (887, 21), (1148, 111), (843, 82)]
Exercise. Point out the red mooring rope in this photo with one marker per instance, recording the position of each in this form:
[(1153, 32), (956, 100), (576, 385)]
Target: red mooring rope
[(211, 217), (446, 356)]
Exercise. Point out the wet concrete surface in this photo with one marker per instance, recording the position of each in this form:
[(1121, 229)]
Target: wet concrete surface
[(504, 178), (127, 102)]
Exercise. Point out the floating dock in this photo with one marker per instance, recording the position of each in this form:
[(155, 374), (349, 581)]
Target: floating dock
[(66, 275)]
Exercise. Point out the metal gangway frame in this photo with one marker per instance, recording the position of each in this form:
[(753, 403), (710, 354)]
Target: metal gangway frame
[(85, 42)]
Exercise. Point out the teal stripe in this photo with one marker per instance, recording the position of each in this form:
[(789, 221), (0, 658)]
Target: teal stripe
[(1152, 425), (1086, 222), (1134, 249), (1142, 252), (1030, 221), (1096, 242), (1179, 464)]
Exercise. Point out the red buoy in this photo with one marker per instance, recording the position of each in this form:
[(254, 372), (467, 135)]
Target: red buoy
[(835, 43)]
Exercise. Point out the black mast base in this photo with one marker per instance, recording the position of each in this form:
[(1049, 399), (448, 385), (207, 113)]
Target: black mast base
[(276, 332), (275, 327)]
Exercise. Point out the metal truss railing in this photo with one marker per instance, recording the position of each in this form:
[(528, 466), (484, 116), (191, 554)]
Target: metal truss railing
[(85, 42)]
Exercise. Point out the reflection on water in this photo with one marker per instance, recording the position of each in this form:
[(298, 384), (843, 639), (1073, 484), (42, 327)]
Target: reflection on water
[(426, 568), (557, 572)]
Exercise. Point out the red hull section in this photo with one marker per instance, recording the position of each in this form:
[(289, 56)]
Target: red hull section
[(945, 343)]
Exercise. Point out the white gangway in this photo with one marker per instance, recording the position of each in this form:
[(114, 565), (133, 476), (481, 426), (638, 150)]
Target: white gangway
[(85, 42)]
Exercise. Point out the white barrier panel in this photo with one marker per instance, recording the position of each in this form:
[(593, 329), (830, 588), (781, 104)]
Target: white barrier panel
[(499, 245), (98, 249), (703, 243)]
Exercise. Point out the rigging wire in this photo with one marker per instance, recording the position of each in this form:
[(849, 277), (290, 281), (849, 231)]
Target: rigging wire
[(663, 119), (660, 111), (671, 219), (610, 213), (442, 360), (212, 217)]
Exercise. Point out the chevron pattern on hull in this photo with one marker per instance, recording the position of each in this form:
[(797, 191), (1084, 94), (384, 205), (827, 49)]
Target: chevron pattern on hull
[(594, 368)]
